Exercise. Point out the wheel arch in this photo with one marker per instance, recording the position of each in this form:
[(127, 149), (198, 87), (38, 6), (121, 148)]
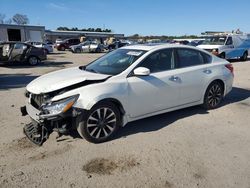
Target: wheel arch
[(115, 102), (27, 59), (215, 80)]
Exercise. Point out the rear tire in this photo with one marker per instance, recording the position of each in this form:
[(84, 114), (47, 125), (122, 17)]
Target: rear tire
[(62, 48), (244, 57), (101, 123), (33, 60), (213, 96)]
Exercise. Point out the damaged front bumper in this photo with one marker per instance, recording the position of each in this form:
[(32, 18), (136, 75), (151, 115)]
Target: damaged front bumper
[(41, 127)]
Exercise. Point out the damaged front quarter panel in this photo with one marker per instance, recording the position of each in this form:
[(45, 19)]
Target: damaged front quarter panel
[(38, 130)]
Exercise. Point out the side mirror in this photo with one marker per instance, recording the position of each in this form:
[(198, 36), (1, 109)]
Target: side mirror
[(141, 71)]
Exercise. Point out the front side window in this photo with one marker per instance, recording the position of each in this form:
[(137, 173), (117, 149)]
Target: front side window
[(190, 57), (20, 46), (159, 61), (115, 62), (229, 41)]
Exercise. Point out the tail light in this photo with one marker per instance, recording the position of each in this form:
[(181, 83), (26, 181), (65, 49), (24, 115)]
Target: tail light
[(230, 67)]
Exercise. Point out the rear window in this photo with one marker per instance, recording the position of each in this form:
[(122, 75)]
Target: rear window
[(190, 57)]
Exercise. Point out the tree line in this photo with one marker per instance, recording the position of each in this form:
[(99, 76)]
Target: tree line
[(89, 29), (19, 19), (163, 37)]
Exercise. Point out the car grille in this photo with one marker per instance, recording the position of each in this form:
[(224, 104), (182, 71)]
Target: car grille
[(37, 100)]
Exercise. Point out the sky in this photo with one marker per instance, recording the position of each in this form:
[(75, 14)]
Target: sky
[(144, 17)]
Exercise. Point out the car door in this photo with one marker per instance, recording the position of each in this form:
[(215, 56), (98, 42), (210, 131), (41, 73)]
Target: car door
[(5, 51), (157, 91), (230, 50), (193, 73), (18, 52)]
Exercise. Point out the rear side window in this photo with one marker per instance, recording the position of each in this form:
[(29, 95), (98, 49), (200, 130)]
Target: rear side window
[(190, 57)]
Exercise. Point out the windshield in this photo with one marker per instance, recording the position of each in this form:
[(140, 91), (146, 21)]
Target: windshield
[(115, 62), (216, 40)]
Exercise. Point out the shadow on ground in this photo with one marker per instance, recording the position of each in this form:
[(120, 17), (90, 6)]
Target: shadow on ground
[(56, 53), (158, 122), (237, 60), (42, 64), (11, 81)]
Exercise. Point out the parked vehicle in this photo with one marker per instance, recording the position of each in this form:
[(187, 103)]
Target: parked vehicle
[(66, 44), (229, 46), (11, 52), (57, 42), (47, 46), (195, 43), (124, 85), (87, 46), (116, 45)]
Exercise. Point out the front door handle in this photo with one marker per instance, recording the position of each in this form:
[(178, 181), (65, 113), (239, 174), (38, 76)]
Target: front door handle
[(174, 78)]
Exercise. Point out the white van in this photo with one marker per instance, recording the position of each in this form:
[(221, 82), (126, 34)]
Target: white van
[(228, 46)]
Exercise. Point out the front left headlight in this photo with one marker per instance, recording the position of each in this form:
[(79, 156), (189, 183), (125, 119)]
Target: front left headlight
[(59, 107)]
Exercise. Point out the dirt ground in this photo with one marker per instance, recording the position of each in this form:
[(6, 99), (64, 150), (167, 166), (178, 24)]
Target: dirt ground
[(186, 148)]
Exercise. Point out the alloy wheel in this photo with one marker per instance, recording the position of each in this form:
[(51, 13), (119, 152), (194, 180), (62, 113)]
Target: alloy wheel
[(33, 60), (101, 123), (214, 95)]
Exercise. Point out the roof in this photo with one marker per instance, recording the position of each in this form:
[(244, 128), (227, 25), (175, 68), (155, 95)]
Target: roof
[(15, 42), (15, 25), (87, 33), (149, 47)]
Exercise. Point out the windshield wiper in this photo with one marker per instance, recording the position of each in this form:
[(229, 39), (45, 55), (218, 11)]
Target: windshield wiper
[(91, 70), (82, 67)]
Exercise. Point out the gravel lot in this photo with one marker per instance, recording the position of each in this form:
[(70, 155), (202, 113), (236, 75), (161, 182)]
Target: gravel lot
[(186, 148)]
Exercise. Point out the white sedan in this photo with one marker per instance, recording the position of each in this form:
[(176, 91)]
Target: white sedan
[(124, 85)]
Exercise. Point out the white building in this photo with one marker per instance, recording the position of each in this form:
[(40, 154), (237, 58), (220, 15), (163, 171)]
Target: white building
[(9, 32)]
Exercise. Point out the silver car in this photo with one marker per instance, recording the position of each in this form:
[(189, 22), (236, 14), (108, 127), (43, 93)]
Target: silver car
[(87, 46)]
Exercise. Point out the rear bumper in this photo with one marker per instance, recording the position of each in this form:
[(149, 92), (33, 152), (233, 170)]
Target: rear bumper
[(228, 84)]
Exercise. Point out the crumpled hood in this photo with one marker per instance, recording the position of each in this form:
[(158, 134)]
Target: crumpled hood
[(61, 79), (209, 46)]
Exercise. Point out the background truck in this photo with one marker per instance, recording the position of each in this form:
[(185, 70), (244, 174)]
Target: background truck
[(228, 46)]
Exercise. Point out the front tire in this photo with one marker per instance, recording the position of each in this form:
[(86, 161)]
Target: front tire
[(100, 123), (98, 50), (78, 50), (213, 95), (62, 48), (244, 57)]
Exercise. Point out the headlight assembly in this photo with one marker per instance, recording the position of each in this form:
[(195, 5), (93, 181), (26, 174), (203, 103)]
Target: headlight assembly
[(58, 107)]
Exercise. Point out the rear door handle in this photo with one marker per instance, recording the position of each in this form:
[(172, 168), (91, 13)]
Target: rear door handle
[(174, 78), (207, 71)]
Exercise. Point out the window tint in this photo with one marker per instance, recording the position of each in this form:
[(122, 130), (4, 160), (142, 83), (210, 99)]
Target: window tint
[(207, 58), (159, 61), (189, 57), (229, 41)]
